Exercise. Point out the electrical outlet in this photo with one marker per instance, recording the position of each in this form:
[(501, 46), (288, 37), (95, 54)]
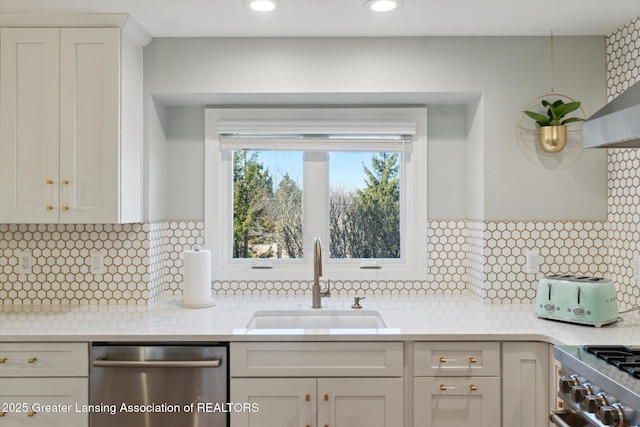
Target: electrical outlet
[(532, 265), (97, 262), (635, 265), (25, 262)]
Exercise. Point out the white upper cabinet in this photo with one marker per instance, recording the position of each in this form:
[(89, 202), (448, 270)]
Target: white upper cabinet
[(71, 138)]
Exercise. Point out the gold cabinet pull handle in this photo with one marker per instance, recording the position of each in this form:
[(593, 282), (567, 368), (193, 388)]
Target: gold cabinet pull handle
[(472, 387), (443, 387), (32, 360), (326, 409), (4, 359), (307, 399), (443, 360), (31, 414), (472, 359)]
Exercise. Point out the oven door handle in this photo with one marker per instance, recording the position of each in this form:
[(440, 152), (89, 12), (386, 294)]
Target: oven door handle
[(555, 418), (102, 363), (560, 419)]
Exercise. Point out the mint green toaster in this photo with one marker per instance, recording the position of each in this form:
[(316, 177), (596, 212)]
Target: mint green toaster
[(577, 299)]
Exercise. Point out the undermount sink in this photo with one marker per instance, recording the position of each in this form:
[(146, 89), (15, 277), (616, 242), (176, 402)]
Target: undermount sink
[(316, 319)]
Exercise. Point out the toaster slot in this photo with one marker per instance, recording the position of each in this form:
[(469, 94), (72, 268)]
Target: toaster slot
[(579, 290)]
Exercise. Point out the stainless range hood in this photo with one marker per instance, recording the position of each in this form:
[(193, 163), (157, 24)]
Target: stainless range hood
[(617, 124)]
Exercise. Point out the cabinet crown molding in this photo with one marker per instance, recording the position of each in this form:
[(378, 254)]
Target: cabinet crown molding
[(92, 20)]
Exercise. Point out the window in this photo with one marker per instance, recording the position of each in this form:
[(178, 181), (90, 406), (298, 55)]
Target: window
[(278, 178)]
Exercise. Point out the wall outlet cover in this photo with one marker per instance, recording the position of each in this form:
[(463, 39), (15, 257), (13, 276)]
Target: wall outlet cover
[(97, 262), (532, 265), (25, 262)]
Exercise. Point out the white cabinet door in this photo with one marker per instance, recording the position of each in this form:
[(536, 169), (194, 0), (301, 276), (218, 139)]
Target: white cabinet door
[(89, 124), (29, 125), (360, 402), (456, 402), (70, 126), (289, 402), (44, 402), (525, 386)]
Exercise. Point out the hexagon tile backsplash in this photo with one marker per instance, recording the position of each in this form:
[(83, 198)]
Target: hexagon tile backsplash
[(142, 261), (623, 167)]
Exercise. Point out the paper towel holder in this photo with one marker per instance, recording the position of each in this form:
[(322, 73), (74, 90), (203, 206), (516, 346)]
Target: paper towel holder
[(202, 297)]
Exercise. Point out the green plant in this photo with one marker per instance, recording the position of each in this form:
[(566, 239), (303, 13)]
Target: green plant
[(555, 113)]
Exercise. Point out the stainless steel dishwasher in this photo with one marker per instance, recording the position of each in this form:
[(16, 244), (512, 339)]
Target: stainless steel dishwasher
[(162, 385)]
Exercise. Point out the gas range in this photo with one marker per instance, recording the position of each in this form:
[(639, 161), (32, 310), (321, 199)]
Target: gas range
[(600, 384)]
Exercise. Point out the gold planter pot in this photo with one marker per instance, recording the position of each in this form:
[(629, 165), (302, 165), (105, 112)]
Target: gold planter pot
[(552, 138)]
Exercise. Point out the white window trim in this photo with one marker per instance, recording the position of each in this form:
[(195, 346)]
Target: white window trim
[(218, 235)]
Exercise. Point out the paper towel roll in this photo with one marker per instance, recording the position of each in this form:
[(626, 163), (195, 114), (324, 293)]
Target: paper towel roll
[(196, 277)]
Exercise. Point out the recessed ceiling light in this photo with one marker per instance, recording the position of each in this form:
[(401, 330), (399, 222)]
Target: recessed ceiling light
[(262, 5), (383, 5)]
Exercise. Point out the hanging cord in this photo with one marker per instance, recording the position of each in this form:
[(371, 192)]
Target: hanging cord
[(552, 61)]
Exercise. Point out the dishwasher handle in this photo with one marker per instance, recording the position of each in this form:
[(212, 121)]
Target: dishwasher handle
[(103, 363)]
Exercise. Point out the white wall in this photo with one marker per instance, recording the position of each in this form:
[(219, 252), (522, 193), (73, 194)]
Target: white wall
[(500, 182)]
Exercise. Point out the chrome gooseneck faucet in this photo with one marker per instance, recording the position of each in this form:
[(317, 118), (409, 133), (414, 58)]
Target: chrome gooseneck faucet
[(317, 294)]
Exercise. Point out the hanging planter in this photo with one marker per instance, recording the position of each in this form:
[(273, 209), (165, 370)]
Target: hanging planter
[(552, 138), (552, 130)]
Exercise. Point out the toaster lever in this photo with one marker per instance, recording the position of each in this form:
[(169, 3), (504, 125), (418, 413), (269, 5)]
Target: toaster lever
[(549, 287)]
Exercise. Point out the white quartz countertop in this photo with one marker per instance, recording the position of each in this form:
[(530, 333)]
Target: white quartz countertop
[(408, 318)]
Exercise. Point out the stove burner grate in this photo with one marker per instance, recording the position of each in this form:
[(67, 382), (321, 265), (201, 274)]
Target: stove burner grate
[(624, 358)]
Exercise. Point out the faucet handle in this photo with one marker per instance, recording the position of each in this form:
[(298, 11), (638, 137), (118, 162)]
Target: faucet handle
[(356, 302), (326, 292)]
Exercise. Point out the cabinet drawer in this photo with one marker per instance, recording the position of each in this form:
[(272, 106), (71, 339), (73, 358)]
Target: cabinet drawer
[(456, 359), (44, 360), (335, 359), (44, 402), (456, 401)]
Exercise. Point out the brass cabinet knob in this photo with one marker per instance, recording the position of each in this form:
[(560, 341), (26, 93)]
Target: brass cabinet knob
[(64, 182), (443, 360), (65, 208), (3, 359), (49, 207), (443, 387), (472, 359), (472, 387), (2, 414), (31, 414), (32, 360), (49, 182)]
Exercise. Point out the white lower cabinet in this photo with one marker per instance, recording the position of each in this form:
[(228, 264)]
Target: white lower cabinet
[(325, 384), (526, 384), (456, 384), (310, 402), (44, 384), (44, 402)]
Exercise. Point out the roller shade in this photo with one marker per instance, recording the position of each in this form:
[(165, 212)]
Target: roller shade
[(316, 135)]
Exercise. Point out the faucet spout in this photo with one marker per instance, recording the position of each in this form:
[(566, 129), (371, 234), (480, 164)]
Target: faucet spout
[(317, 294)]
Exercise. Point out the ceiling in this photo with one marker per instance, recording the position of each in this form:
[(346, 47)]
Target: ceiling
[(313, 18)]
